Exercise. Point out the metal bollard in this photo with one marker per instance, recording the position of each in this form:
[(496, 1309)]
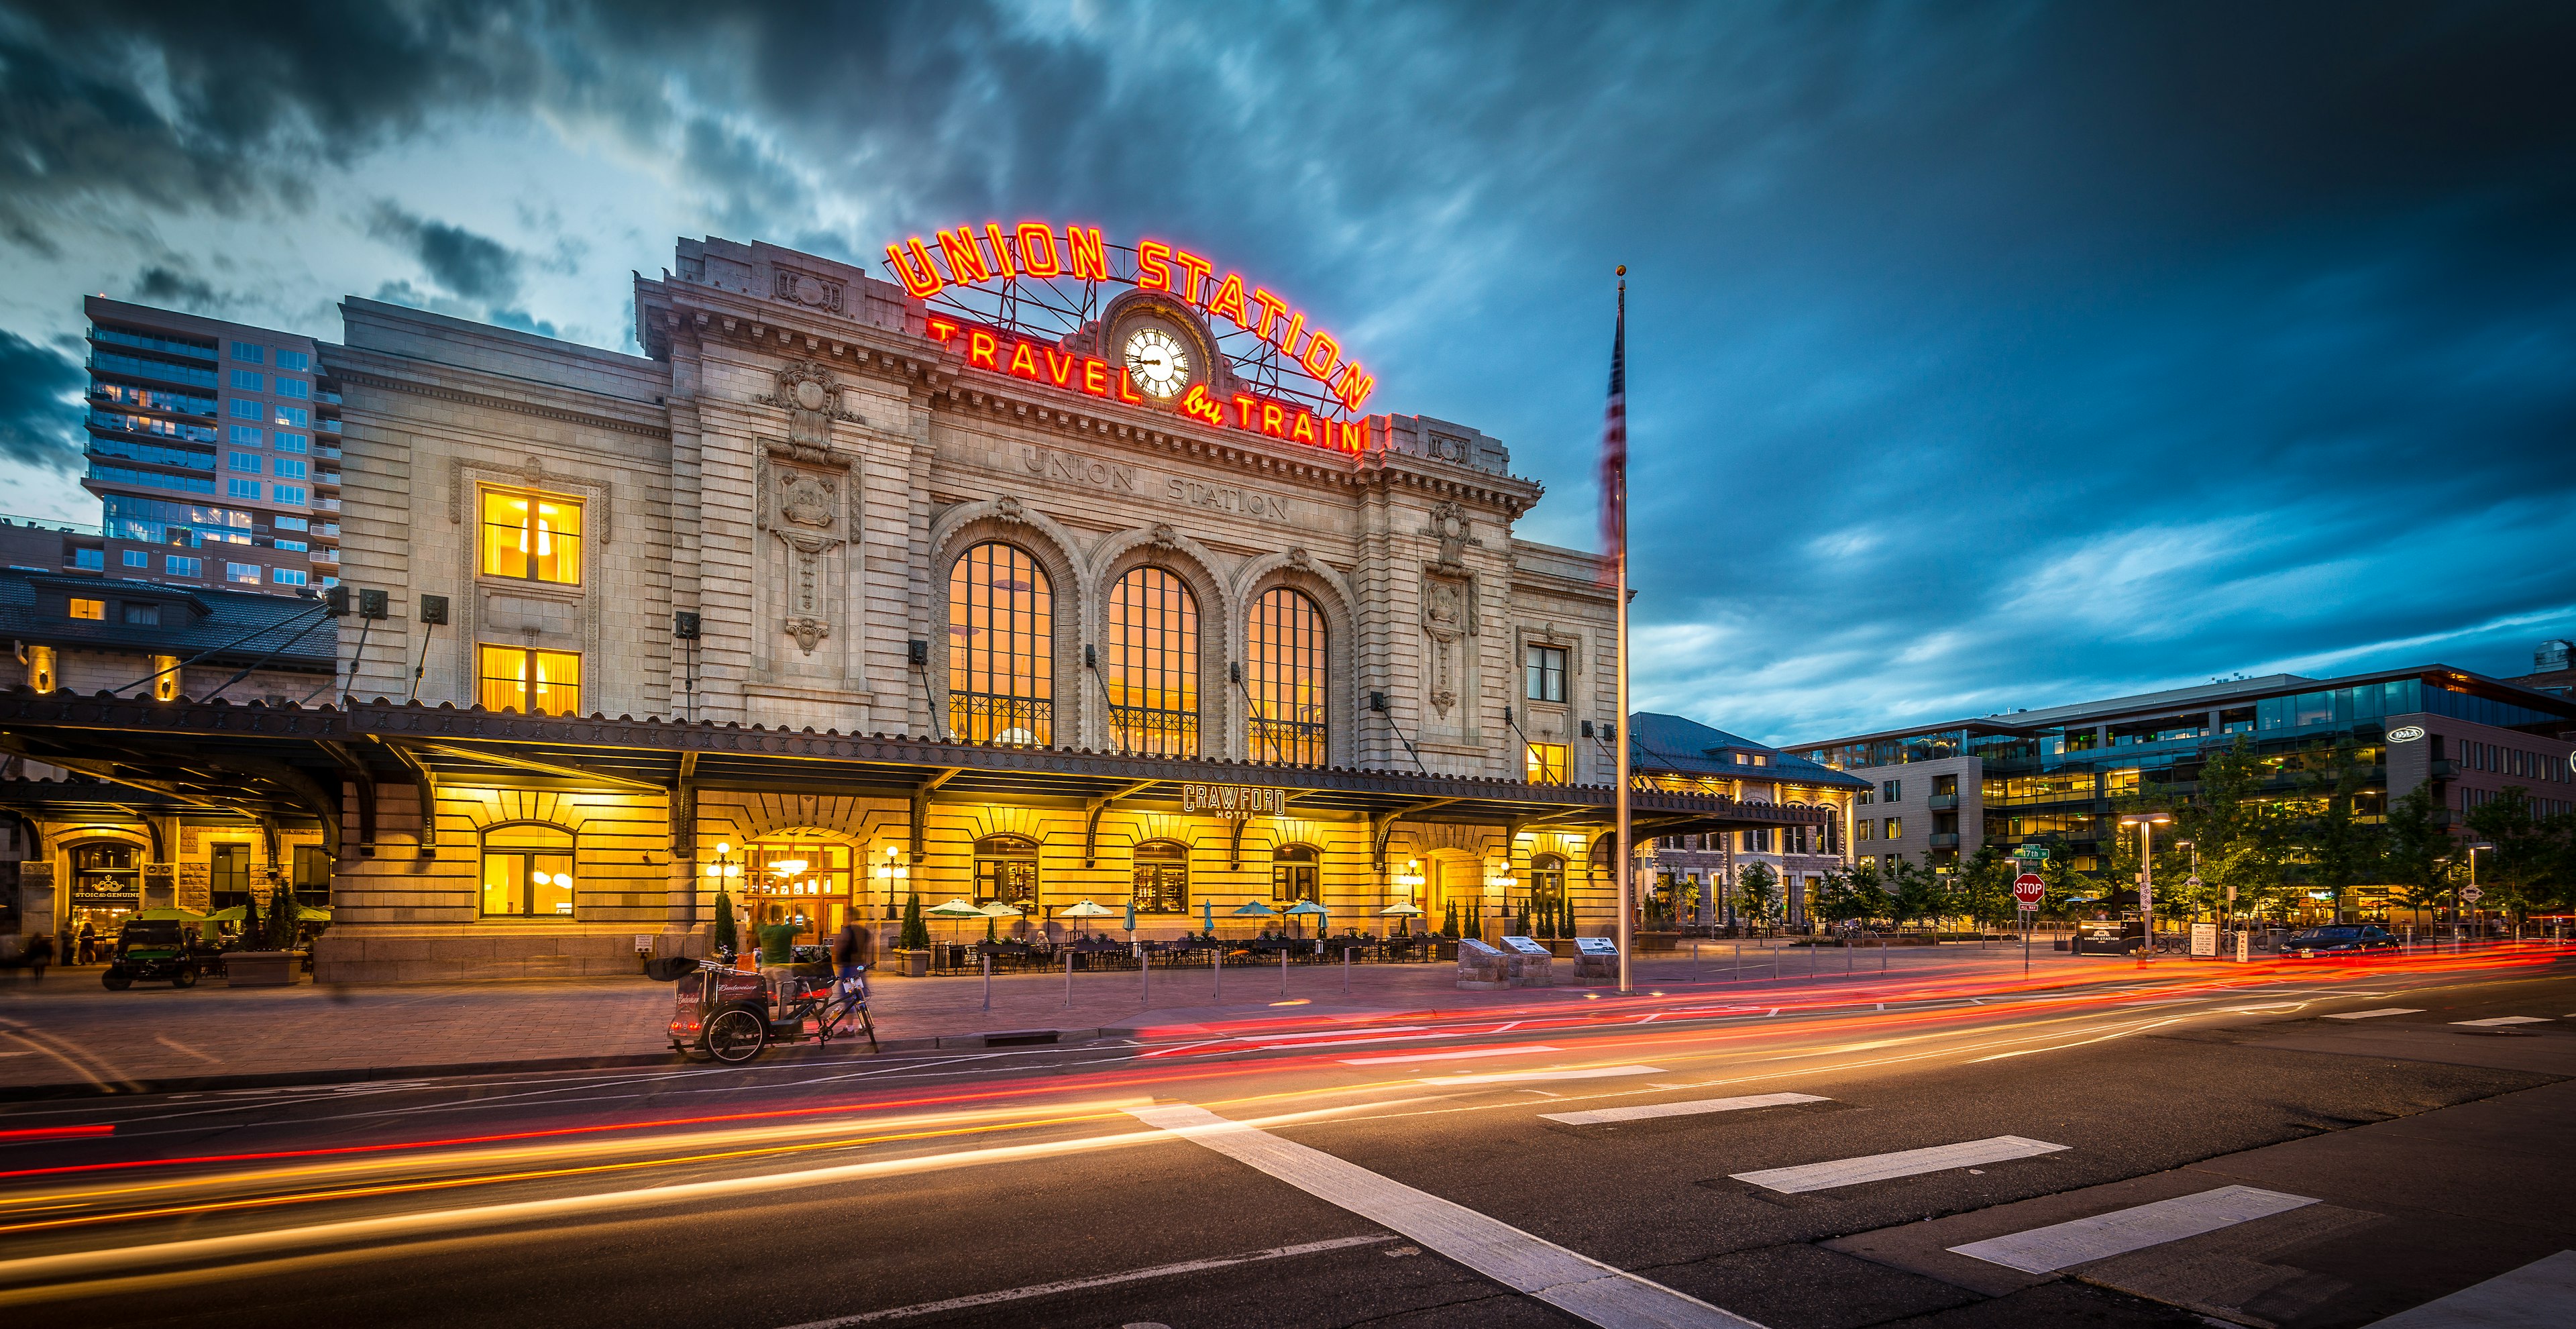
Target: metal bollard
[(1068, 980), (1283, 971), (1346, 971), (1216, 968), (988, 982)]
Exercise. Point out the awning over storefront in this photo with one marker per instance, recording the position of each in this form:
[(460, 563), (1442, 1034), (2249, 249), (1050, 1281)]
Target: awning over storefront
[(288, 764)]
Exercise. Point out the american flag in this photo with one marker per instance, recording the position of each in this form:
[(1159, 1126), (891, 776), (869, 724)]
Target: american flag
[(1614, 449)]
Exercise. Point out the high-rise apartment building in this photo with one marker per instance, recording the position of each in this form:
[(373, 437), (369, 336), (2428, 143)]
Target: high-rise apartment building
[(214, 450)]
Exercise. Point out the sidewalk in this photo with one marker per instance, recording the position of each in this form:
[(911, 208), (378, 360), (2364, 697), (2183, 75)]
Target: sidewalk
[(70, 1036)]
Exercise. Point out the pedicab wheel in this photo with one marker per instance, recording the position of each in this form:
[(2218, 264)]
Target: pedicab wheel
[(735, 1036), (185, 978), (116, 980)]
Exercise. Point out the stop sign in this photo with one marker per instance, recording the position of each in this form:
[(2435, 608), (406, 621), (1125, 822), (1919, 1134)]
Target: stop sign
[(2028, 889)]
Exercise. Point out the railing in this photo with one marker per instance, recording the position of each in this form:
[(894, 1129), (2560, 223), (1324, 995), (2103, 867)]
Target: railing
[(1943, 802), (47, 524), (108, 362), (331, 478), (330, 426), (1945, 839), (327, 504), (976, 717), (120, 337), (2444, 769), (1157, 732)]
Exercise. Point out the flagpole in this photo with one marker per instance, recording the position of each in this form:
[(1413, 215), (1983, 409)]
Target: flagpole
[(1626, 865)]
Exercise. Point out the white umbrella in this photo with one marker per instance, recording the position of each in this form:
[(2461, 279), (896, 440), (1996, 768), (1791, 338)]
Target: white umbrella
[(954, 909), (1401, 910), (999, 909), (1087, 910)]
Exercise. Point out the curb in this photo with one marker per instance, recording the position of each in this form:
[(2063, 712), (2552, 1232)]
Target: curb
[(995, 1038)]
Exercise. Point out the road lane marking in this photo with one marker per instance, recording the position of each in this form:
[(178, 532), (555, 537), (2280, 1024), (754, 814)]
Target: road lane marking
[(1570, 1073), (1100, 1280), (1647, 1111), (2048, 1249), (1887, 1167), (2501, 1019), (2536, 1295), (1447, 1056), (2373, 1015), (1576, 1284)]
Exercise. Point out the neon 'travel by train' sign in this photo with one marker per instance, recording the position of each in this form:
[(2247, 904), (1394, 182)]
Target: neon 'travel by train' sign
[(1035, 250)]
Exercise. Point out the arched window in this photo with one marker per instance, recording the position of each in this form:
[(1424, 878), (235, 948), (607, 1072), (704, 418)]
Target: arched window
[(1295, 873), (1546, 881), (1001, 648), (1162, 878), (1285, 648), (1006, 869), (1153, 667), (527, 871)]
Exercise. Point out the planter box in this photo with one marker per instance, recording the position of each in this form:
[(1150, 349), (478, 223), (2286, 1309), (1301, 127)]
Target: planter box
[(912, 964), (259, 969)]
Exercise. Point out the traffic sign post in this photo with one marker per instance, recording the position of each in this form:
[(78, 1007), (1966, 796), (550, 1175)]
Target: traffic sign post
[(2028, 890)]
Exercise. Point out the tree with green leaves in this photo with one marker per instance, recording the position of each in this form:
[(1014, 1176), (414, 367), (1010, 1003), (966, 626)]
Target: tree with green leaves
[(2418, 853), (2517, 875), (1982, 887), (281, 918), (1757, 890), (2338, 849), (1911, 891), (916, 929), (2242, 838), (722, 937)]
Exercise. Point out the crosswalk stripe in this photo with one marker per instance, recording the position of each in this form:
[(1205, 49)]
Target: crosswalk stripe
[(1576, 1284), (2373, 1015), (1649, 1111), (1887, 1167), (1570, 1073), (1446, 1056), (2535, 1296), (2048, 1249), (2501, 1019)]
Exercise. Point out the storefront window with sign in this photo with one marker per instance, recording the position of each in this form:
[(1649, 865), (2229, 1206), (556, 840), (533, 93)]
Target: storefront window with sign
[(1001, 648), (107, 886), (1295, 873), (1162, 878), (1006, 870)]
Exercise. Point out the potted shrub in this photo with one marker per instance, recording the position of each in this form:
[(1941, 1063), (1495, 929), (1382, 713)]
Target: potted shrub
[(912, 954), (275, 965)]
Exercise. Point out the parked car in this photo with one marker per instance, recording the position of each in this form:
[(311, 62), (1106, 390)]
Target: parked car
[(2339, 939), (154, 950)]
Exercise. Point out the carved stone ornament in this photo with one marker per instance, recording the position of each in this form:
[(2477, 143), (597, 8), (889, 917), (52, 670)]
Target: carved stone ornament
[(1009, 510), (1298, 557), (809, 632), (804, 288), (811, 501), (1450, 525), (1449, 616), (812, 399), (1165, 537)]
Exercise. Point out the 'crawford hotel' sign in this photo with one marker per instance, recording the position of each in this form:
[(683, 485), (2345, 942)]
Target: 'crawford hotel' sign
[(1033, 568)]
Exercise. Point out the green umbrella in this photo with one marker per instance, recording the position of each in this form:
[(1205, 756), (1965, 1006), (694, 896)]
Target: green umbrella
[(305, 913), (236, 914), (954, 909), (183, 915), (1086, 911)]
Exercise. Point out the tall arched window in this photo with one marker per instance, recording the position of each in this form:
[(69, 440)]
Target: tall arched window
[(1001, 648), (1286, 650), (1006, 869), (1153, 667), (1546, 881), (1162, 878), (1294, 873)]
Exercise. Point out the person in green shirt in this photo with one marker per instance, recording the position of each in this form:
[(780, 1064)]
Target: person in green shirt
[(778, 940)]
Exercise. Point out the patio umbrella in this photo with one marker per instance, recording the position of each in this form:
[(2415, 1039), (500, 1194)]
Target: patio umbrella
[(999, 909), (1086, 911), (1131, 913), (1254, 909), (237, 913), (1404, 911), (305, 913), (1309, 907), (954, 909), (183, 915), (1207, 916)]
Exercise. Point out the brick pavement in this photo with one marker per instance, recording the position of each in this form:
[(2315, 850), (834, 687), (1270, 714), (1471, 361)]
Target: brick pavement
[(69, 1034)]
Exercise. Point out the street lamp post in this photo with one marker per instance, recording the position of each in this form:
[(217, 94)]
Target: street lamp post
[(2146, 823), (2473, 885)]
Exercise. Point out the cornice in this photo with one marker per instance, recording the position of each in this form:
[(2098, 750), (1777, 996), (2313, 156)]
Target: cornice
[(487, 401)]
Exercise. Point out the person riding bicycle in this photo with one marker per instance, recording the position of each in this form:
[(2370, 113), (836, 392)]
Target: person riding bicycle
[(852, 951)]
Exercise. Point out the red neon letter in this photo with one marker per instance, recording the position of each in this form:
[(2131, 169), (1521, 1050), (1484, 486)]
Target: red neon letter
[(1061, 374), (1320, 354), (1228, 301), (1198, 268), (1151, 274), (1247, 411), (1355, 386), (965, 261), (1274, 420), (941, 329), (1199, 404), (1022, 363), (1095, 377), (1271, 308), (1127, 389), (1037, 250), (1084, 253), (920, 280), (1296, 325), (1001, 251), (1304, 432), (979, 349)]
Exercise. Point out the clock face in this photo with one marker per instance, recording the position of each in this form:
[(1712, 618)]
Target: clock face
[(1157, 361)]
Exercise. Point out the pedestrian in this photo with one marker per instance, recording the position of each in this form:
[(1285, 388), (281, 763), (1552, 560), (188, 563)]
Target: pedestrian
[(778, 939), (63, 953), (852, 952), (39, 953), (88, 944)]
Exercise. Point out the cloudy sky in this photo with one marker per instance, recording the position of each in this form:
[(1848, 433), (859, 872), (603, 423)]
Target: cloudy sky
[(1982, 356)]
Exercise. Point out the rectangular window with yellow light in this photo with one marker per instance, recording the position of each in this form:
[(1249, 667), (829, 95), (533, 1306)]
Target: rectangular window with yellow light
[(531, 537), (537, 682), (1547, 763)]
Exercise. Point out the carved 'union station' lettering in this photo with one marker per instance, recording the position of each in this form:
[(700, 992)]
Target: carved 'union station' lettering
[(1056, 465)]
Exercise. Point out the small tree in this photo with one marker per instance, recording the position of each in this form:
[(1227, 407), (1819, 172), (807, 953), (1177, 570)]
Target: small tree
[(1449, 920), (2517, 873), (1568, 906), (281, 918), (1912, 891), (916, 930), (722, 937), (1757, 889)]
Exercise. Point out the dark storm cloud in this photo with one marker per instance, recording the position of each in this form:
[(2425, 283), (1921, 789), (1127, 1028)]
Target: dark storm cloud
[(39, 411), (1979, 357), (473, 267)]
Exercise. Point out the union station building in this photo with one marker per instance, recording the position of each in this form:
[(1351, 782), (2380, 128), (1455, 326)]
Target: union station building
[(1062, 572)]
